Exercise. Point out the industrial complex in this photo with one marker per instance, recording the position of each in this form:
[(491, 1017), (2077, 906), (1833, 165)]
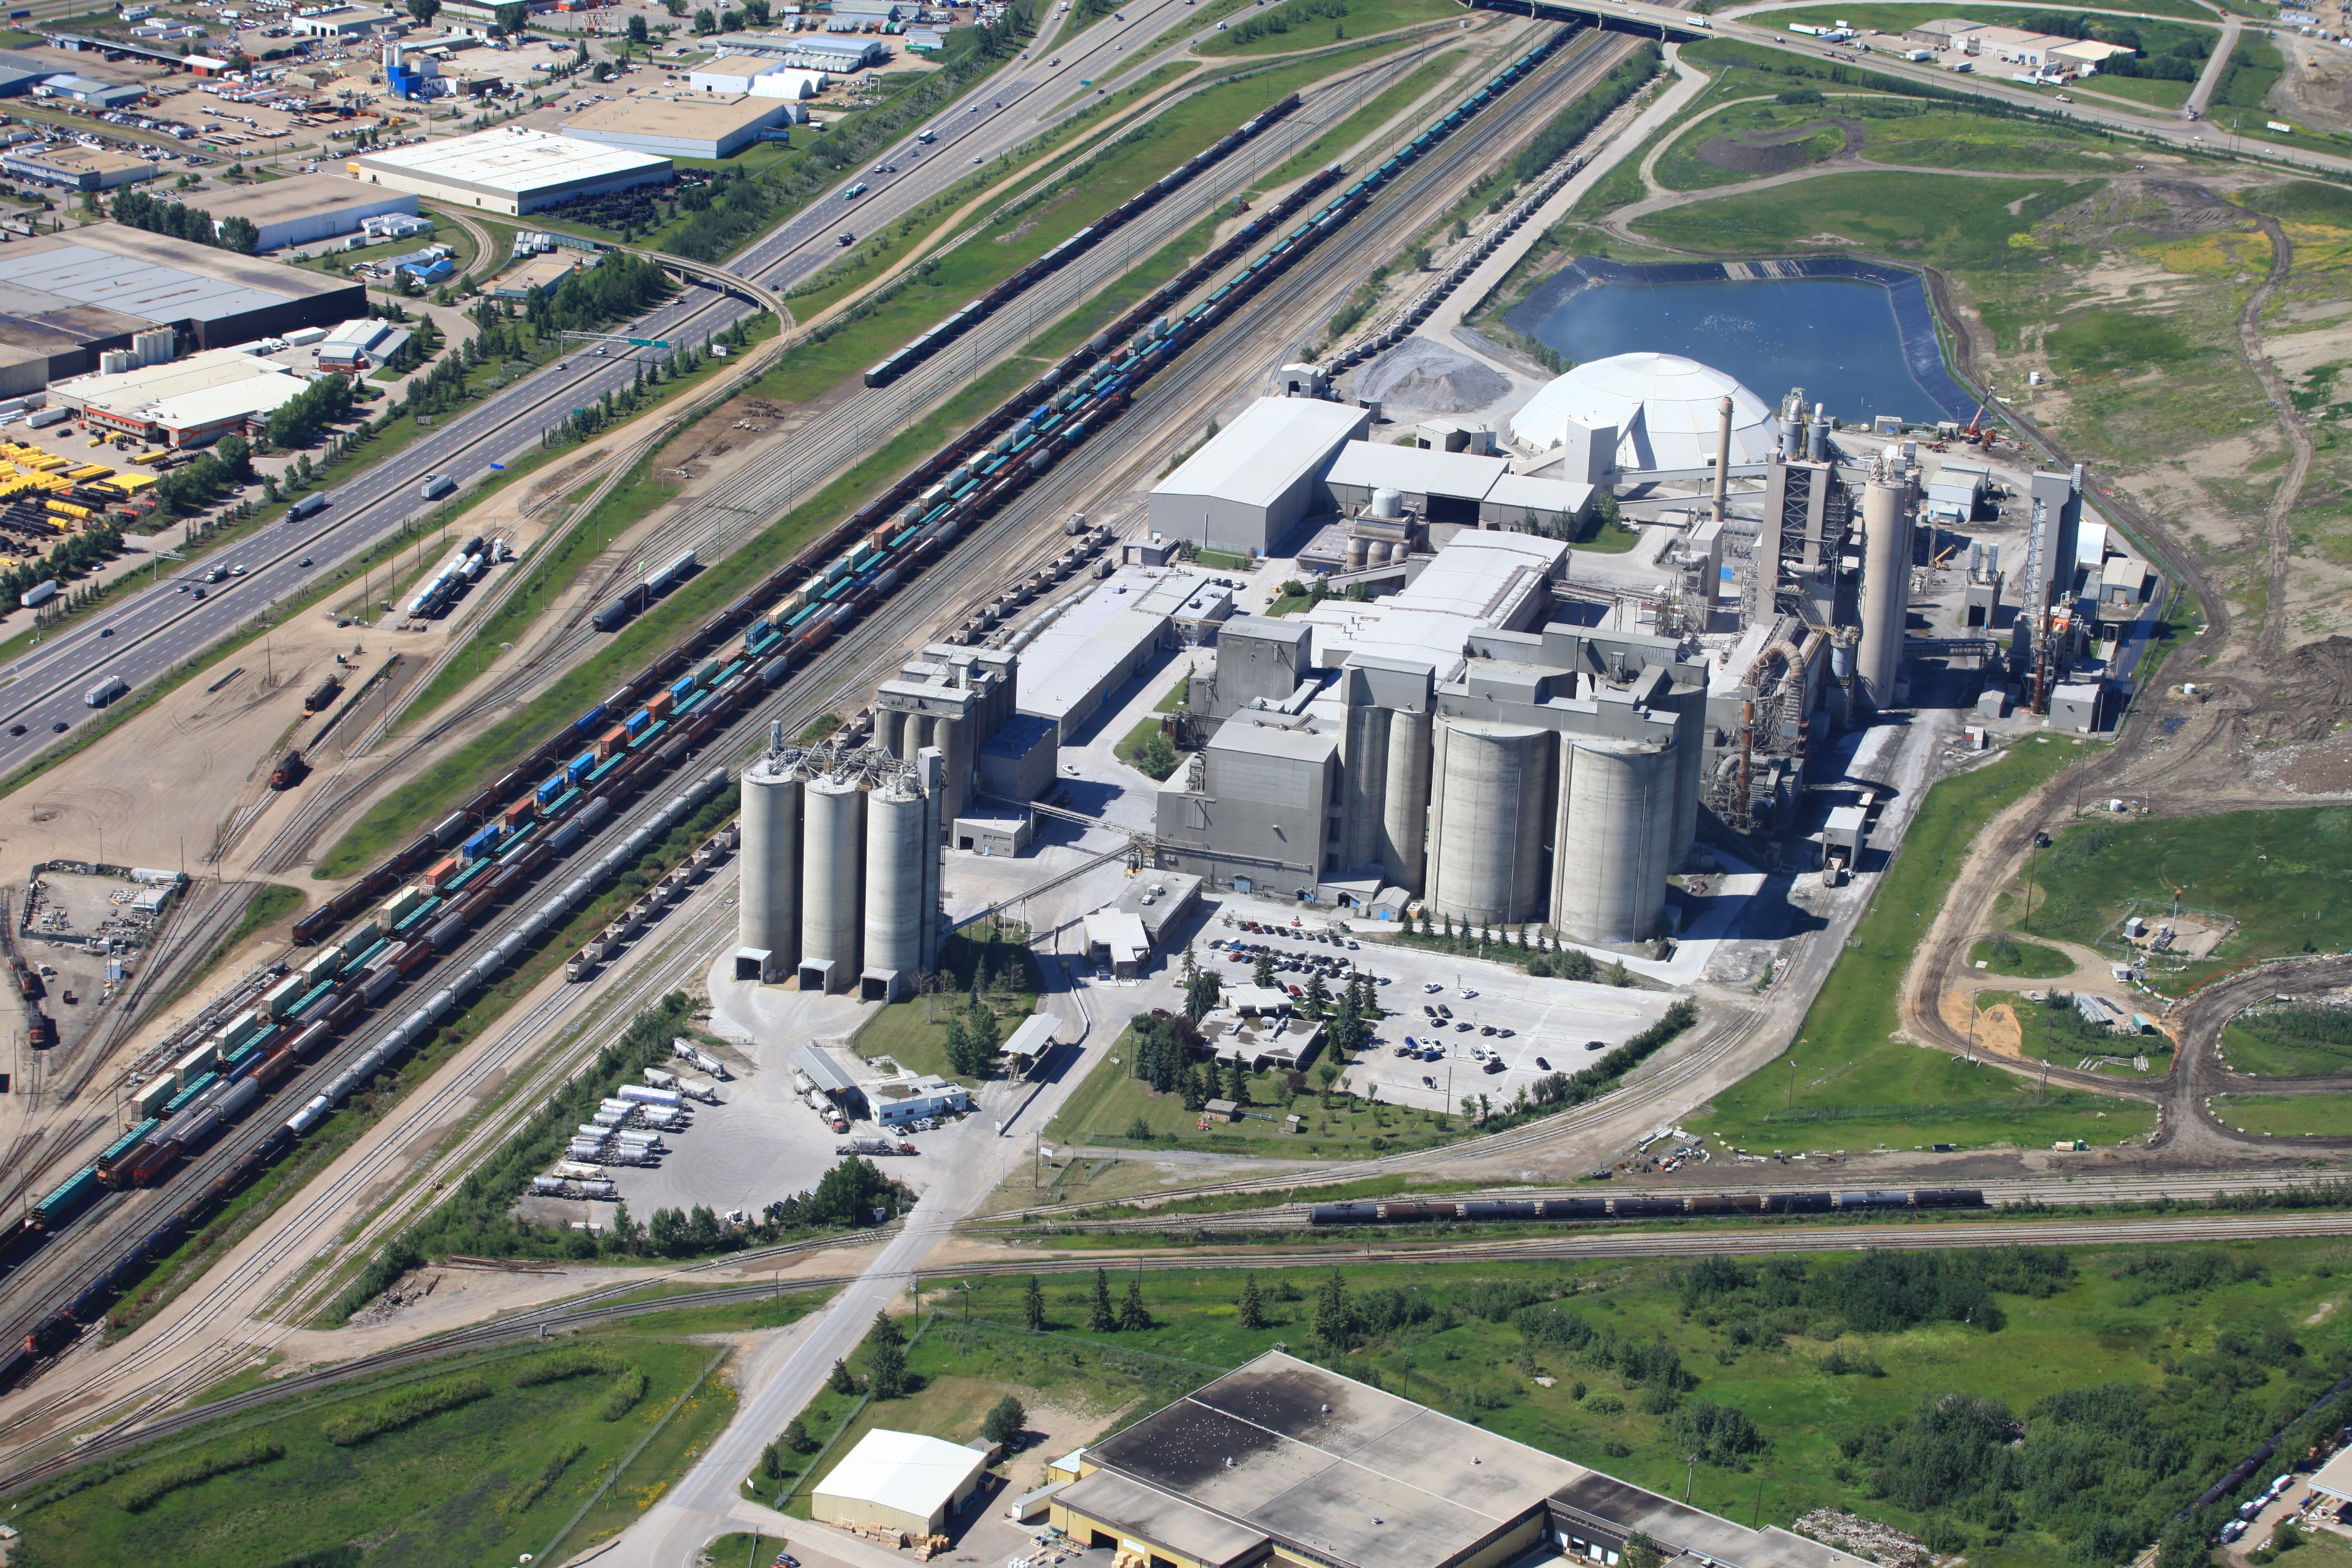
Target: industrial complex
[(509, 170)]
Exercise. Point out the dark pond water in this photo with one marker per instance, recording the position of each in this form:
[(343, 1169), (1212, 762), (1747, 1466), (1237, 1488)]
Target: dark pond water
[(1835, 337)]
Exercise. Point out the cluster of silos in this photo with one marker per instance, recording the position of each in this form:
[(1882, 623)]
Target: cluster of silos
[(1384, 809), (1365, 552), (1616, 843), (950, 699), (841, 870), (1886, 598), (1492, 798)]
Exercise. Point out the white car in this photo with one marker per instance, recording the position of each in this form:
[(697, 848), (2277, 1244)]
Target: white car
[(1432, 988)]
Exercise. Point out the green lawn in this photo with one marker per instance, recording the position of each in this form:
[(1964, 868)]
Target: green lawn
[(2279, 875), (2144, 1328), (1947, 222), (2004, 954), (2150, 92), (914, 1033), (1853, 1086), (1307, 24), (1955, 138), (2059, 1035), (2286, 1115), (2289, 1040), (485, 1481), (1680, 167)]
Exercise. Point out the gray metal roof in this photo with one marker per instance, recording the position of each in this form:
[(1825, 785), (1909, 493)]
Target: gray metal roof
[(1238, 734), (36, 282), (1423, 470), (1276, 441), (828, 1074)]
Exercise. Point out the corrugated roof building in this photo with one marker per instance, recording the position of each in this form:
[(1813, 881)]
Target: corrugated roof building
[(510, 171), (1258, 478), (899, 1480)]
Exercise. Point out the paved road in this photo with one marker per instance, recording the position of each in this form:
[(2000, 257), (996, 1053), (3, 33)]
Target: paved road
[(2201, 95), (149, 631)]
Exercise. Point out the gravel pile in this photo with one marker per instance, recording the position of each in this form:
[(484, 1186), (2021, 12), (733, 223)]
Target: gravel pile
[(1418, 376), (1865, 1538)]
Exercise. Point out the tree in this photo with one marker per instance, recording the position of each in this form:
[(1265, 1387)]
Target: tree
[(1099, 1317), (1318, 995), (1640, 1552), (513, 17), (238, 234), (1335, 1315), (705, 21), (1157, 757), (1032, 1307), (839, 1379), (423, 10), (796, 1437), (885, 1331), (639, 33), (885, 1373), (1200, 995), (1237, 1083), (1250, 1311), (1004, 1420), (772, 1460), (1261, 971), (1133, 1317)]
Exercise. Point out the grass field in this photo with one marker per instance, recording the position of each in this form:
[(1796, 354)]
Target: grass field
[(2150, 92), (2288, 1041), (2057, 1034), (1891, 131), (2165, 1335), (1306, 24), (2027, 960), (1947, 222), (1853, 1085), (914, 1033), (2278, 875), (483, 1480), (2287, 1115)]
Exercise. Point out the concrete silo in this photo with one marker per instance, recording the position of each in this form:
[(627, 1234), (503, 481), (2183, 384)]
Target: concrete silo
[(1364, 787), (769, 908), (1492, 800), (833, 879), (1610, 882), (1885, 581), (898, 838), (1405, 808)]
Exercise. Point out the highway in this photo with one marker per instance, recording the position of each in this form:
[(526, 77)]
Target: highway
[(153, 629)]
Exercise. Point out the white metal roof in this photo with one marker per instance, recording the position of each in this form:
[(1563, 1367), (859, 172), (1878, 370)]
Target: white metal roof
[(1666, 409), (1120, 931), (1239, 735), (1066, 663), (2335, 1477), (1484, 575), (1423, 470), (903, 1471), (1263, 453), (1562, 496), (1034, 1037), (513, 161)]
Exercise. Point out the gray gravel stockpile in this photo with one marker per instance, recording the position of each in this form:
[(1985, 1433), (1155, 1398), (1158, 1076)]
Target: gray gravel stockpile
[(1424, 377)]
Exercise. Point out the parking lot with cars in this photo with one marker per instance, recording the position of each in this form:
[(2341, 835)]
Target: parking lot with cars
[(1454, 1026)]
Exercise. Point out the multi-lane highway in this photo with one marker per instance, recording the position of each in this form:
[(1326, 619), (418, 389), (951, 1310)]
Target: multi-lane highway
[(150, 631)]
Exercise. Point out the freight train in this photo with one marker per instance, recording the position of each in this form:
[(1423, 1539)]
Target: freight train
[(1070, 249), (1423, 1211), (427, 896)]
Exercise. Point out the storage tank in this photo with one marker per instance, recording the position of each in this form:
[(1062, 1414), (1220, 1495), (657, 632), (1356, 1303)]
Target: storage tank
[(1364, 787), (1885, 581), (1613, 853), (1359, 552), (1404, 806), (1388, 503), (769, 908), (833, 866), (896, 841), (890, 727), (1492, 806)]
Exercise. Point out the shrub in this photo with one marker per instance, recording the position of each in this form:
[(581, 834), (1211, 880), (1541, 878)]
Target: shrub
[(156, 1485), (627, 1389), (405, 1408)]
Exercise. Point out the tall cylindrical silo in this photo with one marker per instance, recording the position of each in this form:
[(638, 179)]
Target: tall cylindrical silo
[(1690, 747), (769, 904), (1886, 588), (896, 841), (1612, 885), (1404, 804), (1491, 810), (890, 726), (1363, 786), (833, 876)]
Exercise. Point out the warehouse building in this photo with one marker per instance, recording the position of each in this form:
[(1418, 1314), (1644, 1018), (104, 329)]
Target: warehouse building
[(75, 168), (302, 209), (184, 403), (899, 1480), (1281, 1464), (1114, 634), (1462, 488), (83, 90), (509, 170), (1449, 742), (67, 298), (20, 74), (686, 126), (757, 76), (1258, 479)]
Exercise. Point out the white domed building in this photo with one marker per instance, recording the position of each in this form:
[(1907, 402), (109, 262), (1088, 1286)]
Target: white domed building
[(1664, 410)]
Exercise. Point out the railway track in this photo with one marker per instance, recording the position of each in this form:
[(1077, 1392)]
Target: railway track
[(599, 1308)]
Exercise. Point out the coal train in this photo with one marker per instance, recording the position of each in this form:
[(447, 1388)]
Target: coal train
[(1070, 249), (1421, 1211), (482, 856)]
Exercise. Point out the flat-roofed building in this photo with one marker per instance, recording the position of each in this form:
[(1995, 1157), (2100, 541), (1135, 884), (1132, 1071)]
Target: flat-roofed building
[(734, 73), (75, 168), (687, 125), (83, 90), (538, 272), (302, 209), (1088, 651), (70, 297), (1258, 479), (1281, 1464), (899, 1480), (509, 170), (184, 403), (1261, 816)]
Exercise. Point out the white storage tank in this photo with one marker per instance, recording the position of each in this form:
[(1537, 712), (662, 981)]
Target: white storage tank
[(896, 841), (833, 875), (1493, 802), (1615, 853)]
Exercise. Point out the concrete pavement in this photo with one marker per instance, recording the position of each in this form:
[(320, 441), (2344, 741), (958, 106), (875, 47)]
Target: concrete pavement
[(2216, 65)]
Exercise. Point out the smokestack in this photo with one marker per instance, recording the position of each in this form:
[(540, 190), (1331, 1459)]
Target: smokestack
[(1722, 459)]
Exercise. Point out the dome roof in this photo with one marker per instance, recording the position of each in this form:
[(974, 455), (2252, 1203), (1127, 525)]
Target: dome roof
[(1666, 409)]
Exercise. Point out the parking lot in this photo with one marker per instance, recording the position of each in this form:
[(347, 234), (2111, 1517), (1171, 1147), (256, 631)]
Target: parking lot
[(1485, 1012)]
